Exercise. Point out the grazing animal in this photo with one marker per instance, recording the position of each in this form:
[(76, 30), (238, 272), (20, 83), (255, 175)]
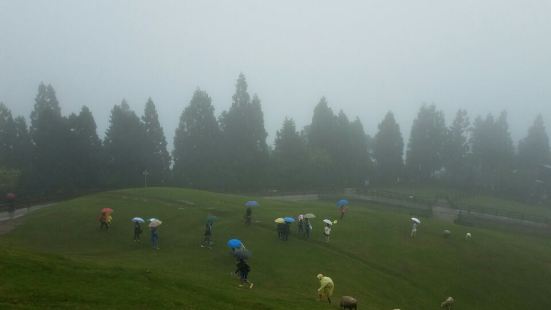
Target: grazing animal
[(348, 302), (447, 304)]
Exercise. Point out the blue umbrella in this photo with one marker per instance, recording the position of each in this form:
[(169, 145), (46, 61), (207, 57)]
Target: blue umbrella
[(342, 203), (288, 219), (252, 203), (234, 243)]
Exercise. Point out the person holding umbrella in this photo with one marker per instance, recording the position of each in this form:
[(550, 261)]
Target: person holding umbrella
[(326, 287), (207, 241), (280, 227), (235, 244), (414, 221), (249, 211), (343, 210), (153, 225), (307, 228), (103, 221), (307, 224), (105, 218), (287, 227), (301, 224), (327, 229), (341, 204), (137, 228), (242, 271)]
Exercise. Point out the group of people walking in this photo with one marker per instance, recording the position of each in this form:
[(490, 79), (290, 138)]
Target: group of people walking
[(304, 229), (106, 218), (304, 226), (243, 269), (154, 234)]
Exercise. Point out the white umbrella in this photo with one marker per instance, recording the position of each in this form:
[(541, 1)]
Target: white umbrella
[(155, 223), (326, 221), (138, 220), (416, 220)]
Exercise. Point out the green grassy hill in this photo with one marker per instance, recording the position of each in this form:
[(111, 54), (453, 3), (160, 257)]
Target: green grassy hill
[(58, 258)]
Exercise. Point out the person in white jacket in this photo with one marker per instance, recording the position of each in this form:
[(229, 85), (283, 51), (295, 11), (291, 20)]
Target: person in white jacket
[(327, 231), (413, 229)]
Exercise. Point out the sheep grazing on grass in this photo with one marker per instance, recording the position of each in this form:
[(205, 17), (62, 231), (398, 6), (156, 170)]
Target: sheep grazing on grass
[(446, 233), (468, 236), (348, 302), (447, 304)]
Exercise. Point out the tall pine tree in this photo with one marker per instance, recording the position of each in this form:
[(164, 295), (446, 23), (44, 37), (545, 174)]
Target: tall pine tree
[(23, 147), (388, 150), (245, 148), (533, 150), (359, 162), (290, 158), (492, 152), (49, 133), (9, 171), (7, 138), (126, 147), (322, 136), (197, 150), (85, 150), (530, 183), (158, 159), (425, 146), (456, 151)]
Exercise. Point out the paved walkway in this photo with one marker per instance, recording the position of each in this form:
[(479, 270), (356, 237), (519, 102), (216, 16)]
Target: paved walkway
[(7, 223), (5, 216), (442, 211)]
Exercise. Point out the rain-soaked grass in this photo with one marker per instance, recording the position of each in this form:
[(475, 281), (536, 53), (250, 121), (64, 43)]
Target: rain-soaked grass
[(58, 258)]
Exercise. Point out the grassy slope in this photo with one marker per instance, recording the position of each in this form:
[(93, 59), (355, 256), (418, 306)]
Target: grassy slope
[(370, 257), (481, 203)]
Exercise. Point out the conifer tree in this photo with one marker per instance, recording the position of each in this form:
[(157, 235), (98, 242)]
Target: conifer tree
[(244, 141), (158, 159), (126, 148), (197, 145), (425, 147), (49, 134), (388, 150)]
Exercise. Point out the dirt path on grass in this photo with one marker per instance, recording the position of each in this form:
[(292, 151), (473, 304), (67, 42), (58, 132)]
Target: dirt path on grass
[(7, 223)]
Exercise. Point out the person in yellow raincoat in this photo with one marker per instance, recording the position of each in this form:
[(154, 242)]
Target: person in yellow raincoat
[(326, 287)]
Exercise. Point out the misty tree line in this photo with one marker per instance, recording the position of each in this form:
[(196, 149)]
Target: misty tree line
[(57, 153)]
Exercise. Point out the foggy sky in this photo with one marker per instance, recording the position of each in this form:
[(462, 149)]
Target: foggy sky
[(366, 57)]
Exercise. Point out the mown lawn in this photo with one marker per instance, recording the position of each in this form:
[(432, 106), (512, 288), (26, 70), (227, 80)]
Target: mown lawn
[(475, 202), (58, 258)]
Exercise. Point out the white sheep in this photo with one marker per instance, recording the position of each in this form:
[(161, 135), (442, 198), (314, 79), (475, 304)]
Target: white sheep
[(447, 303)]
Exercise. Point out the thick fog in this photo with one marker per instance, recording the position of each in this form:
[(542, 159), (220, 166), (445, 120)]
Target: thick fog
[(366, 57)]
